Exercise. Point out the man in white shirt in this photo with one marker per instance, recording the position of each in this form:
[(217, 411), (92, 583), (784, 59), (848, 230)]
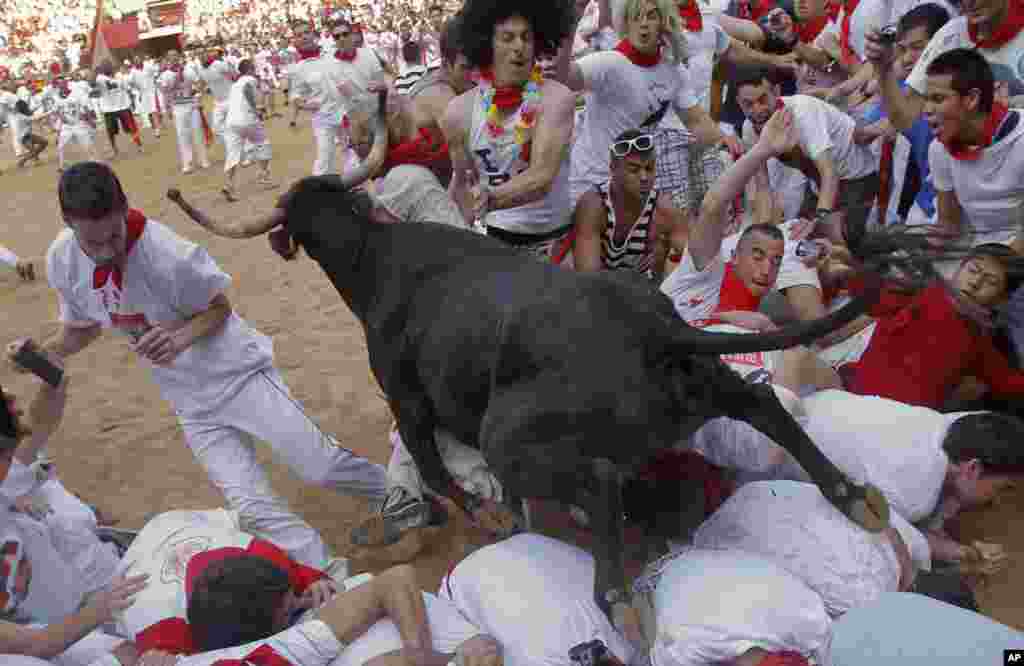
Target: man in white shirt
[(977, 157), (115, 103), (178, 85), (8, 99), (325, 84), (143, 77), (244, 131), (219, 76), (113, 268), (844, 173), (76, 122)]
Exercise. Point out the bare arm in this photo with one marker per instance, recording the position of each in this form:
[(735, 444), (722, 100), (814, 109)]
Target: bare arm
[(672, 230), (868, 133), (462, 163), (394, 594), (742, 30), (552, 136), (742, 55), (45, 414), (903, 107), (591, 219), (766, 209), (698, 121), (950, 214), (828, 192), (72, 339)]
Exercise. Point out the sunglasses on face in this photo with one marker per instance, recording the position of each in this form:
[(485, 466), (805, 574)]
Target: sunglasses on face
[(641, 144)]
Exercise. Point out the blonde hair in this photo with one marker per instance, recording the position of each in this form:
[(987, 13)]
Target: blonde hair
[(624, 11)]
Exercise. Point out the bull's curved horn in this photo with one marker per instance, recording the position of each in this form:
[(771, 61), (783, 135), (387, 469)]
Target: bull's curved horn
[(379, 151), (241, 229)]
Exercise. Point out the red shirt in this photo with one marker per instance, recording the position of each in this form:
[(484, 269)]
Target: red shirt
[(921, 350)]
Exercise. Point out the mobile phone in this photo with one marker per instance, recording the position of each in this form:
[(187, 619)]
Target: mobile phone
[(30, 358)]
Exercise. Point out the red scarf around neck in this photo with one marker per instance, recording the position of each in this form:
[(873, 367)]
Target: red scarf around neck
[(844, 32), (690, 14), (735, 296), (135, 225), (784, 659), (506, 98), (345, 57), (627, 49), (1010, 26), (961, 151), (308, 54)]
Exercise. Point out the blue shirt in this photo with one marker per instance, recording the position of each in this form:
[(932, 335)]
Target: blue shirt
[(920, 137)]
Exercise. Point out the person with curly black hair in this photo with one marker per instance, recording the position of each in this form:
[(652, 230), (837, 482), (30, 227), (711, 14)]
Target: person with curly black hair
[(509, 137)]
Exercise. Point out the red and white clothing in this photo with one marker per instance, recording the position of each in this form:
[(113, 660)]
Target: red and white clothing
[(219, 77), (705, 614), (1005, 58), (224, 388), (76, 123), (550, 608), (144, 80), (636, 251), (850, 27), (820, 127), (621, 96), (990, 189), (894, 446), (177, 86), (326, 85), (792, 525)]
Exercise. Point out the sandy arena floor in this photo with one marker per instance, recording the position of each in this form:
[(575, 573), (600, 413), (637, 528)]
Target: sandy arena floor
[(120, 446)]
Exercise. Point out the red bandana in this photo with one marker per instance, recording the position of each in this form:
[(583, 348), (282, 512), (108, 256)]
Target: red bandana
[(992, 124), (345, 57), (808, 31), (735, 296), (264, 655), (101, 274), (627, 49), (1011, 25), (844, 32), (784, 659), (506, 98), (425, 150), (308, 54), (690, 14)]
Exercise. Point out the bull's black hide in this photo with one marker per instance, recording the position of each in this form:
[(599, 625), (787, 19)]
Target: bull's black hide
[(565, 380)]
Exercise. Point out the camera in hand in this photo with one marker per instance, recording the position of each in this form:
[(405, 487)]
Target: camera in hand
[(888, 34), (593, 653)]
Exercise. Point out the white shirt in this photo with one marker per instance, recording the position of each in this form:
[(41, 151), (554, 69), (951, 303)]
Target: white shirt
[(73, 110), (820, 127), (178, 87), (990, 189), (240, 111), (113, 94), (705, 49), (166, 279), (535, 595), (622, 96), (1007, 62), (219, 76), (868, 15), (707, 612), (7, 102), (328, 84)]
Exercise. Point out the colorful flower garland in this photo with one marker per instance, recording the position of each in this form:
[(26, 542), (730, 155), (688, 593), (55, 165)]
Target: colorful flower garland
[(524, 117)]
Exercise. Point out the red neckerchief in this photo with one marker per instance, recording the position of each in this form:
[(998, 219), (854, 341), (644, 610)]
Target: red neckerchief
[(506, 98), (264, 655), (101, 274), (308, 54), (844, 32), (1010, 26), (784, 659), (808, 31), (425, 150), (832, 8), (995, 119), (734, 295), (627, 49), (345, 57), (692, 20)]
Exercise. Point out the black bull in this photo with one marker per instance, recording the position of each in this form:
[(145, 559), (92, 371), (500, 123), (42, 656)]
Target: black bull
[(566, 381)]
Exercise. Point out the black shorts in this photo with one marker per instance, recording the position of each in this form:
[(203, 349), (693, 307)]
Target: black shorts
[(113, 118)]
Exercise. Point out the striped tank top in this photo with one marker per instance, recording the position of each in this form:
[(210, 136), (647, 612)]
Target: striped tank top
[(636, 252)]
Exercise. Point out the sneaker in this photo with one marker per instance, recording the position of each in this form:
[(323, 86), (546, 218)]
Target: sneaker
[(399, 513), (121, 538)]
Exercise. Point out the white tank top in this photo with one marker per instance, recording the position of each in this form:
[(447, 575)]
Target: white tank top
[(497, 161)]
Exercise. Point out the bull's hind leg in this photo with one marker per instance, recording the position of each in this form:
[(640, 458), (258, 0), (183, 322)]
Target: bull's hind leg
[(865, 505)]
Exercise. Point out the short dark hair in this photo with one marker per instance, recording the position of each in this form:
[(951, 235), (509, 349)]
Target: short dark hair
[(234, 601), (769, 230), (450, 41), (411, 51), (970, 71), (245, 66), (90, 190), (929, 16), (550, 20), (751, 76), (992, 438), (1011, 262)]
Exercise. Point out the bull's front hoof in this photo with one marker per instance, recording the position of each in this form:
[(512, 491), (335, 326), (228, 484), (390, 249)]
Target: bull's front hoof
[(864, 505)]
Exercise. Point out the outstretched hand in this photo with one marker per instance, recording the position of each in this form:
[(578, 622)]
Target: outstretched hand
[(779, 134)]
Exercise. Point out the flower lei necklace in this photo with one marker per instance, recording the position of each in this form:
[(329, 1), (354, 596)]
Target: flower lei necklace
[(524, 117)]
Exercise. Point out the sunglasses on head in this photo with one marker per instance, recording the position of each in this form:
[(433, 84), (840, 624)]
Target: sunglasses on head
[(640, 144)]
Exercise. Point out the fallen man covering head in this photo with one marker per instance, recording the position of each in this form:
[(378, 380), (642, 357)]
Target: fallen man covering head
[(553, 373)]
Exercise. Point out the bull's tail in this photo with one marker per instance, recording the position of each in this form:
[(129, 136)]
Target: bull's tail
[(694, 340)]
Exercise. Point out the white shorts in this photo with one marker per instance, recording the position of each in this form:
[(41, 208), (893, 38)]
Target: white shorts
[(83, 136), (249, 142)]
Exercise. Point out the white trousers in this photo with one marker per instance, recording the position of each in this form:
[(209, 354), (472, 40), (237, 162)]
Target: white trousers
[(246, 142), (219, 120), (265, 409), (326, 137), (189, 129), (85, 137), (467, 466), (15, 140)]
